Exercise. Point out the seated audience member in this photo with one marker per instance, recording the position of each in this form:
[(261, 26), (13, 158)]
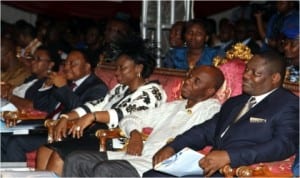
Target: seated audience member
[(115, 30), (13, 72), (73, 87), (93, 41), (55, 40), (133, 93), (291, 51), (166, 121), (24, 95), (268, 131), (212, 32), (242, 34), (196, 51), (27, 41), (176, 37), (226, 35), (286, 14), (59, 94)]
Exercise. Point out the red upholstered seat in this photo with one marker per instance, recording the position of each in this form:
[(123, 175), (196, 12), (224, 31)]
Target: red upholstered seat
[(31, 158), (233, 72)]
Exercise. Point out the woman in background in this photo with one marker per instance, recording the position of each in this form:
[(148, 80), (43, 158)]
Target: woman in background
[(196, 51)]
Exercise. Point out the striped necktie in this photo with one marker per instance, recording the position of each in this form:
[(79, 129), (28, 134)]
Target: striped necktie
[(250, 104)]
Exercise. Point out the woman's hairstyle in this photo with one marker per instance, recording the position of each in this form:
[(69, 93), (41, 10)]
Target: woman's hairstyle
[(54, 57), (135, 48), (202, 22)]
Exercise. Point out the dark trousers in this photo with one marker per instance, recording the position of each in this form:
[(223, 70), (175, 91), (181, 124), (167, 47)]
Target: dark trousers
[(15, 147), (153, 173), (96, 164)]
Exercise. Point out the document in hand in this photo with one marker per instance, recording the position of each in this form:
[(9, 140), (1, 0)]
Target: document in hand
[(183, 163)]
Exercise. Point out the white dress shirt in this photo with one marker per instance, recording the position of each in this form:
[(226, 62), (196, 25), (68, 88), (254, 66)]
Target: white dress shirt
[(167, 121)]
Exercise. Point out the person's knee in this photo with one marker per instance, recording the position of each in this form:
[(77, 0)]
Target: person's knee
[(55, 155), (43, 151)]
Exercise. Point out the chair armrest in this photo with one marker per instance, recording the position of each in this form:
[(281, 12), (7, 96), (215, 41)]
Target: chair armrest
[(242, 171), (50, 123), (261, 170), (11, 117), (105, 134)]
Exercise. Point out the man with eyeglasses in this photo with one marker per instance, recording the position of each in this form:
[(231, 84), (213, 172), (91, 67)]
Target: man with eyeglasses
[(60, 93)]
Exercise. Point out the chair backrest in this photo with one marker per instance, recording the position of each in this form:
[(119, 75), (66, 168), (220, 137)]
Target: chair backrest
[(233, 72)]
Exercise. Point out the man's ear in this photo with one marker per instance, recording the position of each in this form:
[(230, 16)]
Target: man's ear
[(206, 38), (276, 78), (211, 91), (88, 67), (51, 65)]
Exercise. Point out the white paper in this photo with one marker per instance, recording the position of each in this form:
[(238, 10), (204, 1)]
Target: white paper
[(28, 174), (183, 163), (7, 106), (18, 129)]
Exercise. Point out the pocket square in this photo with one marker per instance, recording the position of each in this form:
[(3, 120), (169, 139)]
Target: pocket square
[(257, 120)]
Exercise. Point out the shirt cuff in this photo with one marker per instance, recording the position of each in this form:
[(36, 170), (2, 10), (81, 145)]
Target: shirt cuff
[(130, 124), (113, 118), (80, 111)]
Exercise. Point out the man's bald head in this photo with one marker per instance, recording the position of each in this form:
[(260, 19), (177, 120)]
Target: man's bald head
[(215, 74), (202, 83)]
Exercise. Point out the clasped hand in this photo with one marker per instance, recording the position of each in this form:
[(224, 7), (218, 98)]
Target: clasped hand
[(78, 126), (135, 144), (56, 79)]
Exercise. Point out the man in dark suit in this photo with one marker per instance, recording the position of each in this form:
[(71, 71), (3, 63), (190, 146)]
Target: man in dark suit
[(269, 131), (72, 88), (59, 94)]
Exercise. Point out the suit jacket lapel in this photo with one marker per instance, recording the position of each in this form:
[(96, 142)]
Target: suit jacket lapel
[(82, 87), (261, 105)]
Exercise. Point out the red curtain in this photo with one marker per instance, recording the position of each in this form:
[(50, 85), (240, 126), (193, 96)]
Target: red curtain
[(106, 9)]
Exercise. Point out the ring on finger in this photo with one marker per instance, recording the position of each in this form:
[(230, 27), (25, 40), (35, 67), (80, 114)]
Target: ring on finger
[(78, 128)]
